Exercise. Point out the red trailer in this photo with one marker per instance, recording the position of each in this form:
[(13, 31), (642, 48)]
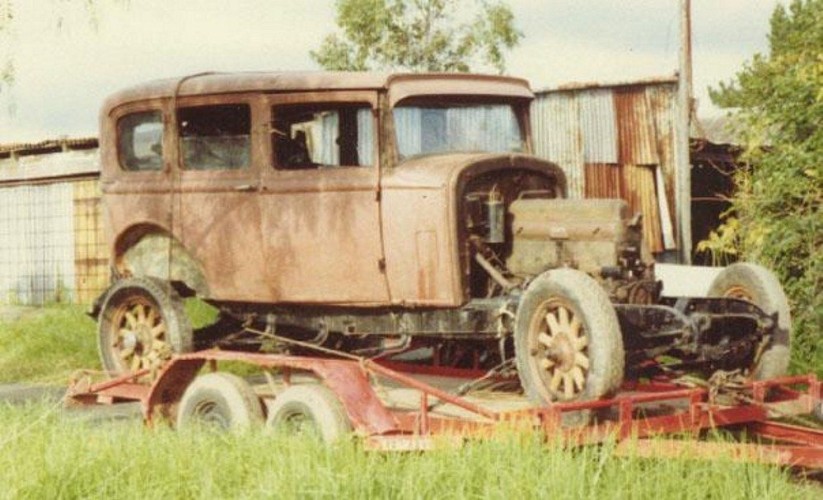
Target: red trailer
[(408, 406)]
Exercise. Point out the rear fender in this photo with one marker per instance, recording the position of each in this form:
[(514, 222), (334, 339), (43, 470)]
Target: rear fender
[(150, 251)]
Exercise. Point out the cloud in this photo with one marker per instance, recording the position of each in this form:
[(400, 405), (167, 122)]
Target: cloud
[(63, 76)]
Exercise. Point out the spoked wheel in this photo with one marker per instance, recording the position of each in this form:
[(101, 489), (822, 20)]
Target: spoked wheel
[(309, 410), (759, 286), (568, 345), (141, 324), (562, 348)]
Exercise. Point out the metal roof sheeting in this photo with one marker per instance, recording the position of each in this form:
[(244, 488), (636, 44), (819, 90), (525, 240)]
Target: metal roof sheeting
[(615, 141), (557, 137), (598, 124), (636, 130), (48, 146)]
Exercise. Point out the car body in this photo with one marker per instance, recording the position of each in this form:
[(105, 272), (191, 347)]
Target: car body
[(370, 211)]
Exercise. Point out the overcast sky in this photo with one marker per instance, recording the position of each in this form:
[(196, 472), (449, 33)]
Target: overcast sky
[(63, 75)]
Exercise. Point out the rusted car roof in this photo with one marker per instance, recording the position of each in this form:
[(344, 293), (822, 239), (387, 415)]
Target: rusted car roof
[(406, 83)]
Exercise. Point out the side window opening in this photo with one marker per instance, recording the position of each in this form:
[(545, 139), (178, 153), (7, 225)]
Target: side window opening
[(140, 141), (318, 136), (215, 137)]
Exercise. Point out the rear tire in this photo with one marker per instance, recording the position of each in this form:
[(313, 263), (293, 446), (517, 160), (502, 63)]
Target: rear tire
[(141, 324), (309, 409), (221, 400), (759, 286), (567, 340)]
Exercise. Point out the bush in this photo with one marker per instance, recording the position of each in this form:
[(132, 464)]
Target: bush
[(777, 103)]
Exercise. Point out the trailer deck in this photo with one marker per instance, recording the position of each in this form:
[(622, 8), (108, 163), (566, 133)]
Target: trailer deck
[(406, 407)]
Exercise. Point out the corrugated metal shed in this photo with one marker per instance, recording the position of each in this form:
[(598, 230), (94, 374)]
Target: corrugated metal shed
[(598, 124), (558, 136), (615, 141), (48, 146), (51, 241)]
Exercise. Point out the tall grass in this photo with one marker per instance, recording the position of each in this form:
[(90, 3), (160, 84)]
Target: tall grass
[(45, 455), (46, 345)]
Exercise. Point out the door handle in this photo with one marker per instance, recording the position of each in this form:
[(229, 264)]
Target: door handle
[(245, 187)]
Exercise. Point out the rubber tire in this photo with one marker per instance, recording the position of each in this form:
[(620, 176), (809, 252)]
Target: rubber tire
[(591, 303), (767, 294), (220, 399), (170, 305), (317, 404)]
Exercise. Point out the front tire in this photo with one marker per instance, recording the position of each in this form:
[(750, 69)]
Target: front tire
[(567, 339), (759, 286), (141, 324)]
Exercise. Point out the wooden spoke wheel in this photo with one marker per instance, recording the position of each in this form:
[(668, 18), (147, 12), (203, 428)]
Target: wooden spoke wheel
[(568, 345), (560, 347), (141, 324)]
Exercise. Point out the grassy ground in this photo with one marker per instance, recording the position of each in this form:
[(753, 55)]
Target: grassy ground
[(43, 455), (47, 345)]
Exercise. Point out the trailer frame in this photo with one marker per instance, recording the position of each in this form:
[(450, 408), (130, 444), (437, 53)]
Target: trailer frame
[(631, 417)]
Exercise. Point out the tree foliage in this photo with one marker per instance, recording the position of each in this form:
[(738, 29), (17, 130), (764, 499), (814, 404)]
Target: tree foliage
[(777, 102), (419, 35)]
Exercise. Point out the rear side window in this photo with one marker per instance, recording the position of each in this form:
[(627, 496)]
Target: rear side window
[(322, 135), (140, 141), (215, 137)]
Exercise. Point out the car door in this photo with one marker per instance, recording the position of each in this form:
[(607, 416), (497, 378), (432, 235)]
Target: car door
[(215, 192), (319, 203)]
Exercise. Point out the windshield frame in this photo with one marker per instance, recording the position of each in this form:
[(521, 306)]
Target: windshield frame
[(519, 106)]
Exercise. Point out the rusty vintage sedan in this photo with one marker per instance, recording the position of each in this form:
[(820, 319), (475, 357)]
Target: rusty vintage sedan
[(393, 213)]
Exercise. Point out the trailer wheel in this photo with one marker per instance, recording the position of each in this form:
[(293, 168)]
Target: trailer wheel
[(310, 409), (759, 286), (141, 324), (221, 400), (567, 340)]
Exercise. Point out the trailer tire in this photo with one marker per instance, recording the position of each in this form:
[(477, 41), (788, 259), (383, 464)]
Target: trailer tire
[(761, 287), (141, 323), (311, 409), (221, 400), (567, 335)]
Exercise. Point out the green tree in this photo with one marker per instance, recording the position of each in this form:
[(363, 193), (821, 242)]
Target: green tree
[(777, 106), (419, 35)]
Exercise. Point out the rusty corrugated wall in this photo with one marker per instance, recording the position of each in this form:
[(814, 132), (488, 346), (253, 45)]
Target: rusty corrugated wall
[(557, 136), (615, 141)]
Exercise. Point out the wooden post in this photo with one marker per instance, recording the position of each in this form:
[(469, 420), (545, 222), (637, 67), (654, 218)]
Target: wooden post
[(684, 104)]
